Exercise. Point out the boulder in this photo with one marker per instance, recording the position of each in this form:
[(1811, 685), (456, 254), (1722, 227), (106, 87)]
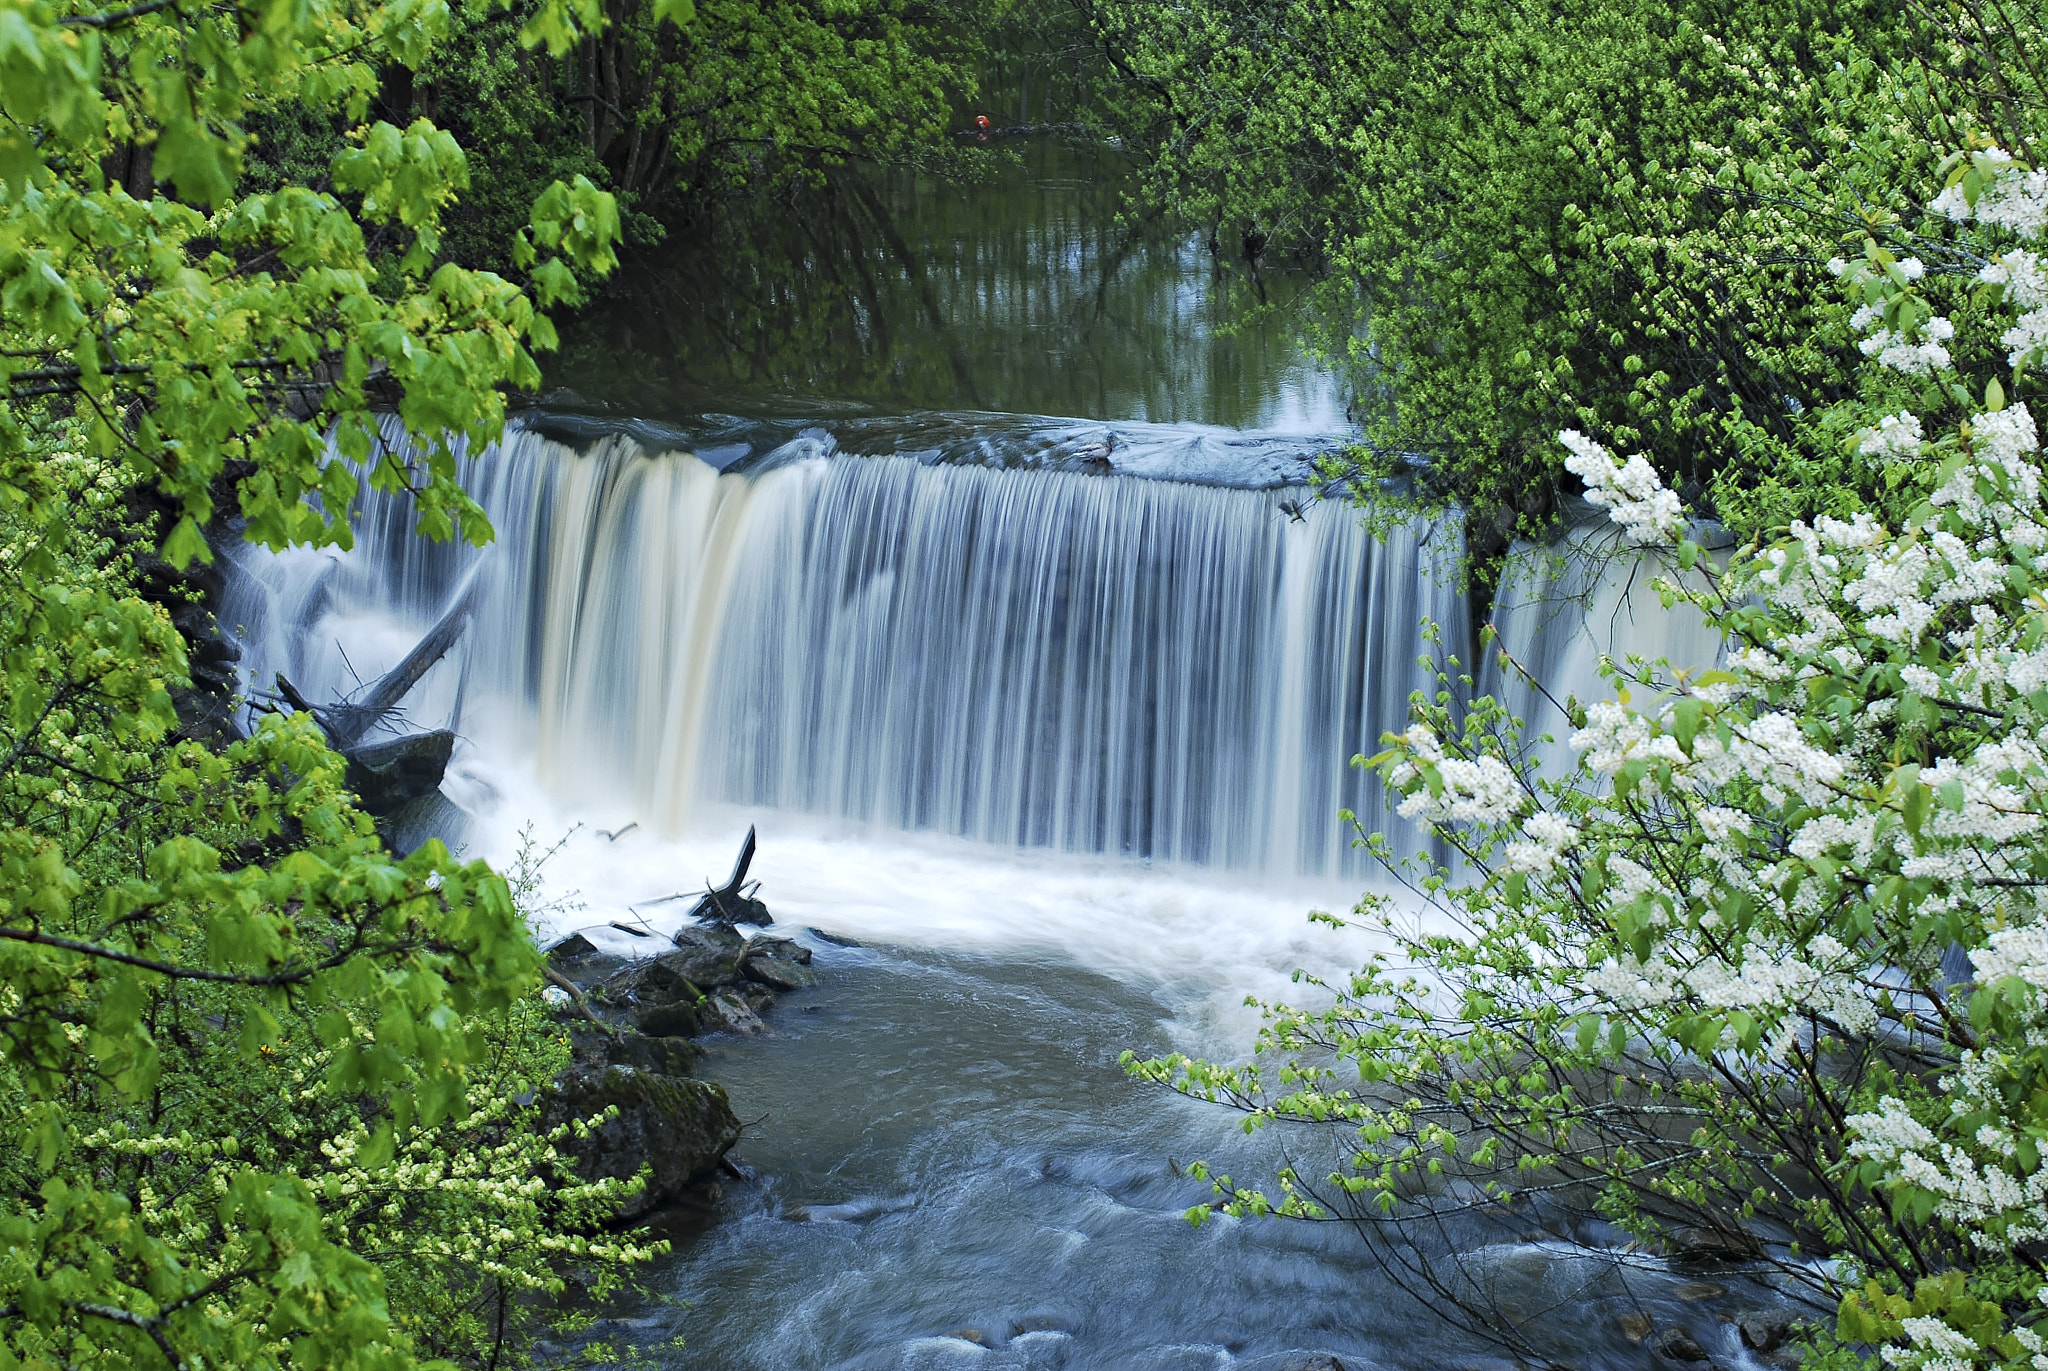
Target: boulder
[(1679, 1345), (665, 1056), (679, 975), (782, 949), (432, 815), (1764, 1331), (1692, 1248), (728, 1012), (706, 962), (677, 1126), (676, 1019), (387, 776), (570, 949), (767, 967), (740, 909)]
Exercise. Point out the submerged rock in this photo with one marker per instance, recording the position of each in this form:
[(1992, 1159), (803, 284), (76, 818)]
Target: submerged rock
[(1636, 1327), (1679, 1345), (677, 1126)]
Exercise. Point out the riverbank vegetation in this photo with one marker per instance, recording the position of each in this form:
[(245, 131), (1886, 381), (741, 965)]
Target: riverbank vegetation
[(1612, 218), (270, 1089), (1767, 968), (1760, 982)]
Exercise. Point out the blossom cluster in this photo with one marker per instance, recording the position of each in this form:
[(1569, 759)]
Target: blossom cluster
[(1632, 493), (1879, 723)]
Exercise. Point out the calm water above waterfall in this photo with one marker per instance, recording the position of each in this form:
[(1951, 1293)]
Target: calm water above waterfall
[(948, 536), (897, 292)]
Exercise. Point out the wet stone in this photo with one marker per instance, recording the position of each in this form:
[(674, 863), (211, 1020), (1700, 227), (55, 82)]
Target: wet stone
[(702, 967), (665, 1054), (677, 1126), (1693, 1292), (1713, 1247), (677, 1019), (778, 974), (691, 936), (782, 949), (386, 776), (1679, 1345), (1635, 1327), (1763, 1332), (572, 948), (728, 1012)]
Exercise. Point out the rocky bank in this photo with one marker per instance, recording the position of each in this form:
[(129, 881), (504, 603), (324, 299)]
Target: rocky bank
[(633, 1024)]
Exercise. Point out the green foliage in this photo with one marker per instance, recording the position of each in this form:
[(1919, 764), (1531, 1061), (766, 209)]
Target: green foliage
[(1564, 214), (727, 97), (261, 1075)]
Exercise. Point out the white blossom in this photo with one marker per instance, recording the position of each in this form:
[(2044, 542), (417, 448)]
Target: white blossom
[(1632, 493), (1896, 435)]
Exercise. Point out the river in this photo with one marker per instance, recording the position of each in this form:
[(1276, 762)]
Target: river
[(952, 537)]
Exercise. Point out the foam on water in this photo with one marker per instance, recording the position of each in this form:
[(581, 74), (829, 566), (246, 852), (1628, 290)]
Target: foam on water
[(1196, 940)]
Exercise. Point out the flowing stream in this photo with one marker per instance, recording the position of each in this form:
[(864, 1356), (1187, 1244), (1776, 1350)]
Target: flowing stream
[(1046, 721)]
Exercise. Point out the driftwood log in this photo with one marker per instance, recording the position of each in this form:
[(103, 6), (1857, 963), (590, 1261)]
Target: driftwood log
[(731, 903), (345, 722), (390, 773)]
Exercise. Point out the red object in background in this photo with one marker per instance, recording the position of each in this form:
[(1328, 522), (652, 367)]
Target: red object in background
[(981, 122)]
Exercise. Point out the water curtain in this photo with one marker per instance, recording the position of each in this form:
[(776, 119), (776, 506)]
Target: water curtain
[(1100, 664)]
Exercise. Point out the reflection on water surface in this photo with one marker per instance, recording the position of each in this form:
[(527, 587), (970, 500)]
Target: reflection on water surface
[(902, 291)]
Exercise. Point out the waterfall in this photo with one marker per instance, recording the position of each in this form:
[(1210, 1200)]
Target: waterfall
[(1565, 607), (1032, 658)]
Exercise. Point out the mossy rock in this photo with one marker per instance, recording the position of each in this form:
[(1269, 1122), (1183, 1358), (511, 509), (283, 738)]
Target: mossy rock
[(676, 1125)]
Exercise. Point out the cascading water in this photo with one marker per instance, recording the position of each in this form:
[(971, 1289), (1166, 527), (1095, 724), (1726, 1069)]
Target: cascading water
[(1565, 608), (1002, 683), (1032, 658)]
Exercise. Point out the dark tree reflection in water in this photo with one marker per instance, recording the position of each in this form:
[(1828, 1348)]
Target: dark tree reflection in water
[(1033, 293)]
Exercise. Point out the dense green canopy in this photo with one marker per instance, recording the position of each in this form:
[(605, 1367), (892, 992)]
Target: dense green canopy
[(1560, 213)]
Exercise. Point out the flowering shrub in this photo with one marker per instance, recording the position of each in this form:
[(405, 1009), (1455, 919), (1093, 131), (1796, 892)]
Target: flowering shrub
[(1773, 962)]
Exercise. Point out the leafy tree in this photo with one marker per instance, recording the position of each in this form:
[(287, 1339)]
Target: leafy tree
[(1768, 964), (742, 98), (258, 1068), (1567, 213)]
